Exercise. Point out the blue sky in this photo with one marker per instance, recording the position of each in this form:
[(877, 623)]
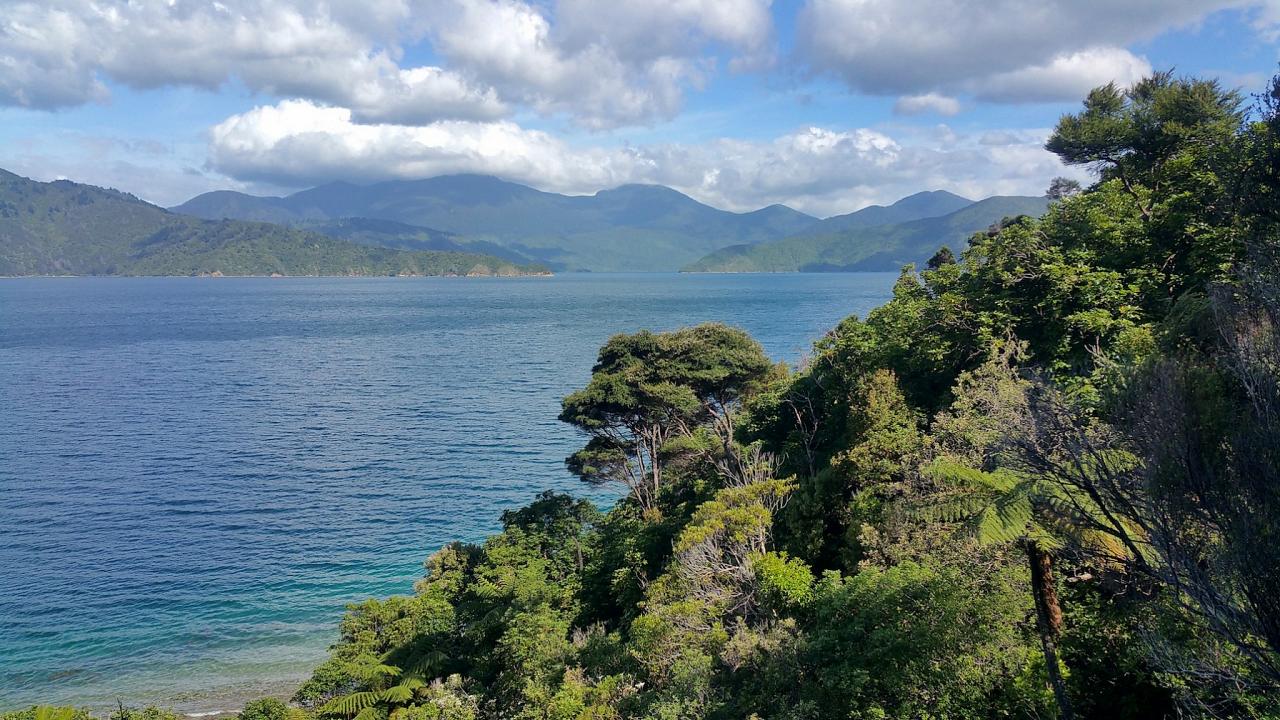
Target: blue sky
[(825, 105)]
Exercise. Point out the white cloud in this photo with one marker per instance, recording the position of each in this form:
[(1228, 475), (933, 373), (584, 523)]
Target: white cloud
[(1065, 76), (299, 143), (607, 63), (1004, 50), (819, 170), (926, 103), (57, 53), (1267, 20)]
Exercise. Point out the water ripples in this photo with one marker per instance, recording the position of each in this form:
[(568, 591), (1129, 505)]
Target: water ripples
[(196, 475)]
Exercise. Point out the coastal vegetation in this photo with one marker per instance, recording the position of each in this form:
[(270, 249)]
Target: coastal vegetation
[(65, 228), (1042, 481)]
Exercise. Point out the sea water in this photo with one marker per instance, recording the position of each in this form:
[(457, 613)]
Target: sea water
[(196, 475)]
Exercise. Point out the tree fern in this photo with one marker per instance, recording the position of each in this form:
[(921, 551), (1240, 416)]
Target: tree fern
[(376, 703), (351, 704)]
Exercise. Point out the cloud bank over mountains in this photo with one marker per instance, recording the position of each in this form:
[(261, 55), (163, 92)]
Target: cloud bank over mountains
[(813, 169), (547, 92)]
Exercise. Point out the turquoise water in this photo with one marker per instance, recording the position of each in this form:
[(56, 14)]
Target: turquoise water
[(197, 474)]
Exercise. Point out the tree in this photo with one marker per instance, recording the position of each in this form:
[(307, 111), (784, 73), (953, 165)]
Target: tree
[(918, 641), (944, 256), (1171, 146), (1000, 500), (264, 709), (1061, 187), (380, 698), (649, 388), (1003, 507)]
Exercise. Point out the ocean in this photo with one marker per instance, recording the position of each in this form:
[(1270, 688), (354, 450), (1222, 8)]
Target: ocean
[(197, 474)]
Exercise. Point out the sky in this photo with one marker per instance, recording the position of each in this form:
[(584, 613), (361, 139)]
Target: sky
[(823, 105)]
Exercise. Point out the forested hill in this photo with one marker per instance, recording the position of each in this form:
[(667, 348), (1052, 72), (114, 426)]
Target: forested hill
[(840, 244), (629, 228), (401, 236), (1042, 481), (65, 228)]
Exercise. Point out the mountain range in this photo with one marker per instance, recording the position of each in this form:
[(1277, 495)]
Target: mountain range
[(861, 241), (66, 228), (464, 224), (629, 228), (632, 227)]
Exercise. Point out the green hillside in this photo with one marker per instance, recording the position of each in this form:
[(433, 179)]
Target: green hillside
[(934, 203), (400, 236), (65, 228), (633, 227), (882, 247)]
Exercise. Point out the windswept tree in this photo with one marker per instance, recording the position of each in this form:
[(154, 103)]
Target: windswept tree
[(647, 389), (1169, 145), (944, 256), (1061, 187)]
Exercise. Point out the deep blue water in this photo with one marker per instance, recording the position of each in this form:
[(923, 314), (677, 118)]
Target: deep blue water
[(197, 474)]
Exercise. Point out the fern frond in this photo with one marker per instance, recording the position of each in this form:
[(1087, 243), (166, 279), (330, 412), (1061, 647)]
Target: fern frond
[(1044, 539), (403, 692), (427, 664), (1005, 520), (951, 509), (369, 713), (371, 669), (961, 475), (350, 704)]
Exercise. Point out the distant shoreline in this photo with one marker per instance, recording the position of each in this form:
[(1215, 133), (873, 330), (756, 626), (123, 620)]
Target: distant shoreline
[(287, 277)]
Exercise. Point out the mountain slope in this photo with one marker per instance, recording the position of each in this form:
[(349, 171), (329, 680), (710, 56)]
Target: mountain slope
[(399, 236), (64, 228), (632, 227), (934, 203), (881, 247)]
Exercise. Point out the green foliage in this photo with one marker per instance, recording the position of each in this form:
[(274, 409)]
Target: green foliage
[(914, 641), (1037, 482), (786, 583), (649, 396), (149, 712), (47, 712), (266, 709)]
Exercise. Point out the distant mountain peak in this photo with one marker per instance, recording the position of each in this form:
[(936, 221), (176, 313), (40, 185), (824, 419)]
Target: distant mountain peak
[(933, 195), (63, 227), (868, 240), (636, 226)]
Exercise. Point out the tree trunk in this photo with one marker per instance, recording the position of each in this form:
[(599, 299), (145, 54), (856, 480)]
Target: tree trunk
[(1048, 622)]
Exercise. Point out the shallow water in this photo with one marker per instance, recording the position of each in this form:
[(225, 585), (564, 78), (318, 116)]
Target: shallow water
[(197, 474)]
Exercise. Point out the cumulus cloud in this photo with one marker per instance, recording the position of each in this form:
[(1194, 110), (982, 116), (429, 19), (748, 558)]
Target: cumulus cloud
[(1065, 76), (820, 170), (926, 103), (57, 53), (605, 63), (1002, 50), (299, 143)]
